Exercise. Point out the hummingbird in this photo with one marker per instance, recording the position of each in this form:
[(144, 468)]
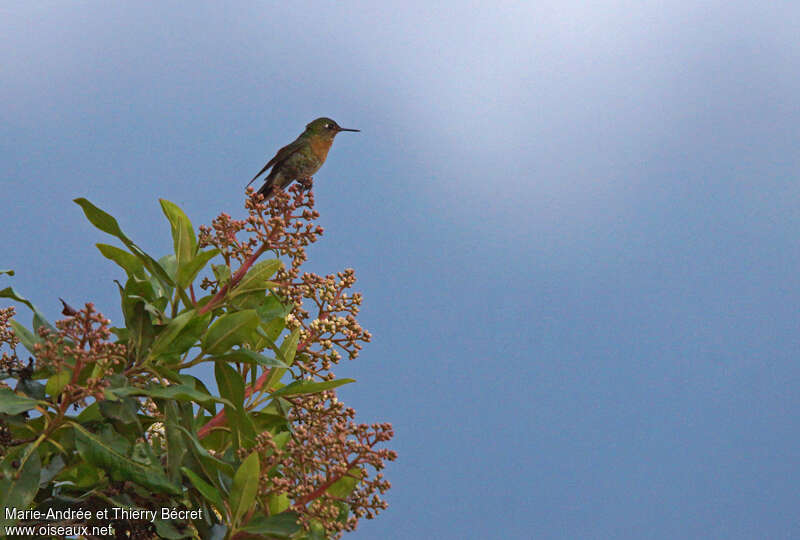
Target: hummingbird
[(302, 158)]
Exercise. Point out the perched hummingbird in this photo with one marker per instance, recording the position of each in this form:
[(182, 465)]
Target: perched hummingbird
[(300, 159)]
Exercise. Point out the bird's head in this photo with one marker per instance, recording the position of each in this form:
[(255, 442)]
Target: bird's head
[(325, 128)]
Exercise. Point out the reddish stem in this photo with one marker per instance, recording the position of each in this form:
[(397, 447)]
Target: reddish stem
[(235, 279), (302, 501)]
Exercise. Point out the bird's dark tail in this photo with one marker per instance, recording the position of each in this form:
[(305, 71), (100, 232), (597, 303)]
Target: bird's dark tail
[(266, 190)]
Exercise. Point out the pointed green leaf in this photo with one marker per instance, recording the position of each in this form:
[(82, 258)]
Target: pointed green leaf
[(257, 278), (189, 336), (206, 490), (169, 530), (187, 272), (170, 265), (309, 387), (231, 387), (100, 219), (277, 503), (222, 272), (38, 318), (208, 463), (272, 307), (287, 352), (123, 410), (183, 238), (167, 336), (9, 272), (20, 472), (282, 525), (56, 383), (128, 261), (246, 356), (102, 454), (230, 383), (176, 447), (229, 330), (178, 392), (11, 403), (141, 332), (106, 223), (289, 347), (31, 388), (28, 339), (345, 485), (245, 486)]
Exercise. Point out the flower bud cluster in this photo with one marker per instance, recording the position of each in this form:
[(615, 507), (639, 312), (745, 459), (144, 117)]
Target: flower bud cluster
[(326, 447), (285, 224), (334, 331), (9, 362), (81, 341)]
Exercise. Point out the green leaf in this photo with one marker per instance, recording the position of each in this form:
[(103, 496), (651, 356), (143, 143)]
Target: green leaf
[(28, 339), (257, 278), (90, 414), (345, 485), (167, 530), (31, 388), (187, 272), (80, 476), (11, 403), (200, 386), (282, 525), (20, 471), (309, 387), (229, 330), (189, 336), (9, 272), (56, 383), (246, 356), (206, 490), (129, 262), (277, 502), (289, 347), (137, 290), (123, 410), (183, 238), (100, 219), (218, 532), (167, 336), (102, 454), (178, 392), (106, 223), (176, 447), (141, 331), (209, 462), (273, 308), (38, 318), (170, 265), (231, 387), (286, 353), (245, 486), (52, 469), (230, 384), (222, 272)]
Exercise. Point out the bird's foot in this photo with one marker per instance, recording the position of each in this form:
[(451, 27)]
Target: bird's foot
[(307, 182)]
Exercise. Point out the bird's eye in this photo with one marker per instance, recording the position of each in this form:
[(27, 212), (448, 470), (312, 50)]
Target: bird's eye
[(329, 126)]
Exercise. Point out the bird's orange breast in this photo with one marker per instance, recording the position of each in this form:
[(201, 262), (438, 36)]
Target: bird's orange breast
[(320, 148)]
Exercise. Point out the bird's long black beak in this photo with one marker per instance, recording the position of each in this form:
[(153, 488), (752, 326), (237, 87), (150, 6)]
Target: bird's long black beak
[(348, 129)]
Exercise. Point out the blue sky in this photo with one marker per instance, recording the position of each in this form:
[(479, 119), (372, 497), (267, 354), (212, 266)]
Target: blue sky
[(575, 227)]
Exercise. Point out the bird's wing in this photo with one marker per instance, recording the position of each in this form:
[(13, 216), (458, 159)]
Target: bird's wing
[(282, 155)]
